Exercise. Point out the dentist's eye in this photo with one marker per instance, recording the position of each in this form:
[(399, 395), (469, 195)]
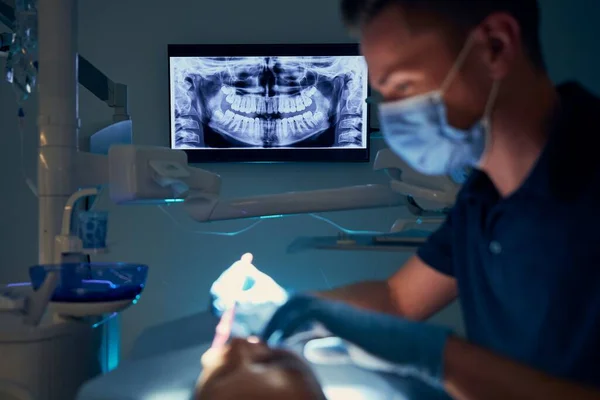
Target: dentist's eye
[(403, 88)]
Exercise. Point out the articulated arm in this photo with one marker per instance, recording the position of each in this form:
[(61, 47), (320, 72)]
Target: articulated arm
[(424, 196), (349, 198), (151, 175), (155, 175)]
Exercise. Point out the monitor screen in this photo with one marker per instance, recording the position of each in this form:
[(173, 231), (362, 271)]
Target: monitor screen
[(269, 102)]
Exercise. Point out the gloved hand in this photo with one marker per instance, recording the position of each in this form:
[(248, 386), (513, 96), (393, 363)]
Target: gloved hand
[(256, 296), (414, 349)]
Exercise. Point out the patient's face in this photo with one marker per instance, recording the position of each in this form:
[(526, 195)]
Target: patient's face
[(251, 370)]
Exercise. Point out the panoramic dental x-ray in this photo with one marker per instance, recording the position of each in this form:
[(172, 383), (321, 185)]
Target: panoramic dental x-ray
[(268, 102)]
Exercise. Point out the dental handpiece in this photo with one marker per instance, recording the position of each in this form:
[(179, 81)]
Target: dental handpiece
[(224, 328), (225, 325)]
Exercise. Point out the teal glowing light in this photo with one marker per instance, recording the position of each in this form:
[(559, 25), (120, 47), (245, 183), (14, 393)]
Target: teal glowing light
[(113, 345), (137, 298), (111, 342), (170, 201), (271, 216)]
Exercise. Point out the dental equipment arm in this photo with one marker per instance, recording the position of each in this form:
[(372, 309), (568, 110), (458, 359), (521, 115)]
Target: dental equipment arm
[(151, 175), (350, 198), (424, 196), (427, 196), (155, 175), (472, 373)]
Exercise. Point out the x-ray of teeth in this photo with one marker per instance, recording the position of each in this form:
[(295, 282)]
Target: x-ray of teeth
[(268, 102)]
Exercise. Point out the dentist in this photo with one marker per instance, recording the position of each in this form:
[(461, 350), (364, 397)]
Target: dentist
[(465, 86)]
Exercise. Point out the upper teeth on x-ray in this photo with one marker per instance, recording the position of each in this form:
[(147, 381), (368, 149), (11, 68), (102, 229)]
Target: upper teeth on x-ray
[(266, 102)]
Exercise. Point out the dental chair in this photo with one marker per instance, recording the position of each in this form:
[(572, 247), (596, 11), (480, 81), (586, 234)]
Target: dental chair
[(165, 365)]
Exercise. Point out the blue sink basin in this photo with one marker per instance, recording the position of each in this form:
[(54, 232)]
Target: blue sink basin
[(93, 282)]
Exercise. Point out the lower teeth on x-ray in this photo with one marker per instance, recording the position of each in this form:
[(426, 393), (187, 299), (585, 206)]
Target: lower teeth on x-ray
[(268, 102)]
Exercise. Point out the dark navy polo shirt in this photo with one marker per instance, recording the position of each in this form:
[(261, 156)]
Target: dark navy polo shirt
[(528, 265)]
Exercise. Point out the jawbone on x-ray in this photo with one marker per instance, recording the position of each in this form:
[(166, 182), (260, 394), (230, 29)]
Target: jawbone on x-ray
[(269, 102)]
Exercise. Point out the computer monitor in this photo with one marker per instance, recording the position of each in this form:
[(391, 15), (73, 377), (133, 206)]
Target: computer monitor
[(253, 103)]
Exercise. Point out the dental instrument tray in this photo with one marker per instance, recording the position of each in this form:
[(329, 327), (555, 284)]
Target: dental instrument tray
[(408, 241), (93, 282)]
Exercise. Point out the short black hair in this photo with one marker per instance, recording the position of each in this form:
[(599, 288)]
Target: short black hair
[(461, 15)]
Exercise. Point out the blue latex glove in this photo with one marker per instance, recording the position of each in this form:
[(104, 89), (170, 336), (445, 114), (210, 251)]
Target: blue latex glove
[(416, 349), (256, 296)]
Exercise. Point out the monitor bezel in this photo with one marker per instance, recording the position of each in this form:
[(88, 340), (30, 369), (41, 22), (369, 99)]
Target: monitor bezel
[(269, 155)]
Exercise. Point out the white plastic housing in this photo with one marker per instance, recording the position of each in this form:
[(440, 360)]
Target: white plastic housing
[(430, 192), (348, 198), (81, 310), (130, 175), (148, 175), (49, 362)]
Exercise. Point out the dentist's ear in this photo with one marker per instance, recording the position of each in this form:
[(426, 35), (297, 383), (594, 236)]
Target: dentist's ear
[(501, 37), (496, 45)]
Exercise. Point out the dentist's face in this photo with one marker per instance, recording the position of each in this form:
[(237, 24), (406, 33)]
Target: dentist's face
[(250, 370), (405, 61)]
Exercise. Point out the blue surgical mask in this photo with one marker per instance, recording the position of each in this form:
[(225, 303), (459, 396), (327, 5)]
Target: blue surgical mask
[(417, 129)]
